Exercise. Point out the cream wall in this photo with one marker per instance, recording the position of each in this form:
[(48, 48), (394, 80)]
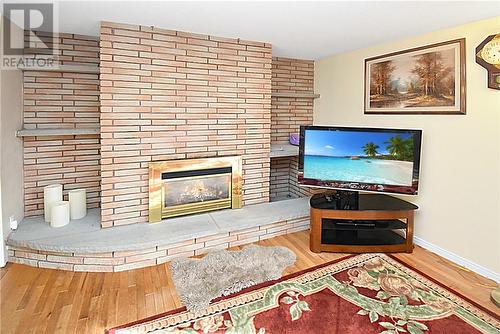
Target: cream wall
[(459, 196), (11, 147), (11, 152)]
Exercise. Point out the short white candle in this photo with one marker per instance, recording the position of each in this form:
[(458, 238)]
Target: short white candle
[(51, 194), (77, 203), (59, 214)]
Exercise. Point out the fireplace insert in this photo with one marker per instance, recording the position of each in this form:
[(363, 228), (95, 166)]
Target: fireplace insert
[(183, 187), (196, 191)]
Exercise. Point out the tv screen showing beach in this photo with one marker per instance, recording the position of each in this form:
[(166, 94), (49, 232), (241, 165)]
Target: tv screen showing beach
[(357, 156)]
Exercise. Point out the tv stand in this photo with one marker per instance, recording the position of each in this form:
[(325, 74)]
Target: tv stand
[(348, 222)]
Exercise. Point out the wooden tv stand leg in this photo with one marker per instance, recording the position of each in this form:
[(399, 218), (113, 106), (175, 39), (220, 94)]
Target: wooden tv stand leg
[(315, 232), (409, 232)]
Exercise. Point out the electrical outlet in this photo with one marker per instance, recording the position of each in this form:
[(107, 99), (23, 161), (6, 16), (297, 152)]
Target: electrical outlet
[(13, 223)]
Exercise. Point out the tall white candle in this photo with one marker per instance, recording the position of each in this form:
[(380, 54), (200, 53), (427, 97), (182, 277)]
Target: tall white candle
[(59, 214), (77, 203), (51, 194)]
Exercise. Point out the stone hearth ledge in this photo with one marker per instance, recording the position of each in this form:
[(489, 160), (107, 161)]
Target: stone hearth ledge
[(87, 236)]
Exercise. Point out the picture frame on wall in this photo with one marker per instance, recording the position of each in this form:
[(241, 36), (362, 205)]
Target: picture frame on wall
[(424, 80)]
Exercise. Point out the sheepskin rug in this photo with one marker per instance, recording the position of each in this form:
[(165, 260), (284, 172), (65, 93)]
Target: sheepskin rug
[(222, 272)]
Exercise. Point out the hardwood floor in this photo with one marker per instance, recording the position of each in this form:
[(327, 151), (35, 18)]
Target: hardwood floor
[(37, 300)]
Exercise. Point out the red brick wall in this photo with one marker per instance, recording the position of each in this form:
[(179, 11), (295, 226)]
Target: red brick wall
[(166, 95), (62, 100), (279, 179), (173, 95), (283, 180), (287, 114), (68, 49)]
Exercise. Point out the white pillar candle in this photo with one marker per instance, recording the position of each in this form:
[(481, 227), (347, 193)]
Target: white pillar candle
[(59, 214), (51, 194), (77, 203)]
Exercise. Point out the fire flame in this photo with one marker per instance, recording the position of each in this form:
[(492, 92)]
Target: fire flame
[(199, 191)]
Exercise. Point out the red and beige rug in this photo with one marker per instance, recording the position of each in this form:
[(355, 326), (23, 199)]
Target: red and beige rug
[(368, 293)]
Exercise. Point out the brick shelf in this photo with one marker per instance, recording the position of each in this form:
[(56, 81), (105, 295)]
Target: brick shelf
[(63, 68), (57, 132), (283, 150)]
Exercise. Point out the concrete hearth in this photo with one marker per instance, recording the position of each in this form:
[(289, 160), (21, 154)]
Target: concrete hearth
[(84, 246)]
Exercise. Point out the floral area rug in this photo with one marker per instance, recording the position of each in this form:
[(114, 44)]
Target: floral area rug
[(368, 293)]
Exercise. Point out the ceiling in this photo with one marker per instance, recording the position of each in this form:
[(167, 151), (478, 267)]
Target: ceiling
[(298, 29)]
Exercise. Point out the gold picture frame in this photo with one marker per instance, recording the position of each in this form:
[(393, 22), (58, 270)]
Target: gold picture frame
[(424, 80)]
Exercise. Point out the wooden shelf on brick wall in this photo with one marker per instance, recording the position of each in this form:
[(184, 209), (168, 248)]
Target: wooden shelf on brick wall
[(64, 68), (295, 95), (283, 150), (56, 132)]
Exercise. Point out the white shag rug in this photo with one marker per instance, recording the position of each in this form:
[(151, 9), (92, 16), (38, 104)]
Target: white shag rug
[(222, 272)]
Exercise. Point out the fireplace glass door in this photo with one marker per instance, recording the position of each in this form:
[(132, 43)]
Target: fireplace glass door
[(193, 191), (187, 186)]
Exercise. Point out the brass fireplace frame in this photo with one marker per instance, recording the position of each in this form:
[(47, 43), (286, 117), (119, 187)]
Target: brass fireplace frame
[(156, 196)]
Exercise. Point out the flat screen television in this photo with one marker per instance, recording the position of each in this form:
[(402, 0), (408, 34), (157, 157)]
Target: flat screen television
[(360, 159)]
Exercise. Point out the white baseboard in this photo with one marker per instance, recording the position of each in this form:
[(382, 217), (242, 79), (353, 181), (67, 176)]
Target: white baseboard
[(3, 251), (458, 259), (3, 258)]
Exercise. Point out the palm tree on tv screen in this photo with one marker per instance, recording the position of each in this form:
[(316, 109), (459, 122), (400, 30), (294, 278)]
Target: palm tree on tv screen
[(396, 147), (401, 149), (370, 149)]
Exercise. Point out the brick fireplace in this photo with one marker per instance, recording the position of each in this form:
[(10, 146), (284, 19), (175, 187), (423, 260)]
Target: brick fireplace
[(167, 99), (169, 95), (161, 95)]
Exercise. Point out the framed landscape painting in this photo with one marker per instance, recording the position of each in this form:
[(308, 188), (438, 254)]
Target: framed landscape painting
[(423, 80)]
